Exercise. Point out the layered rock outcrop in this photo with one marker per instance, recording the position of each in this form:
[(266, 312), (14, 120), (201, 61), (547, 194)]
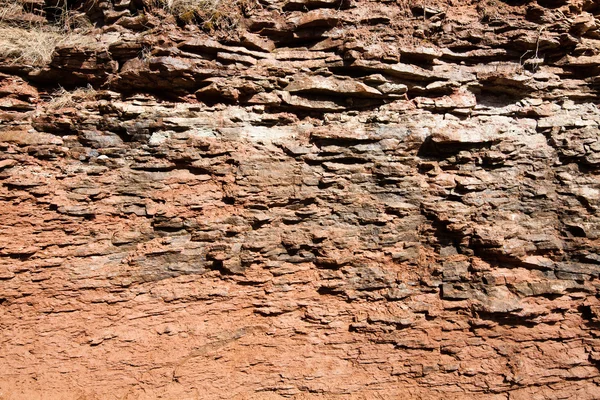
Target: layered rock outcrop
[(331, 199)]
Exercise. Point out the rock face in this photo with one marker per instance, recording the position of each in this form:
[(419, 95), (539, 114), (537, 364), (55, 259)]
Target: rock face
[(342, 199)]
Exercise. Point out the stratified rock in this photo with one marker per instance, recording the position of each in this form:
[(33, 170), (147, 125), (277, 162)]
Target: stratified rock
[(301, 199)]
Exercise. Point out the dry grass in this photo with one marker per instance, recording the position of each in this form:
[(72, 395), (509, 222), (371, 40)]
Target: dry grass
[(29, 42), (33, 46), (62, 98), (209, 14), (10, 9)]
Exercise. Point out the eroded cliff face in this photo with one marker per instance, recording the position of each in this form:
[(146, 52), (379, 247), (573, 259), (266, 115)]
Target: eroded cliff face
[(356, 199)]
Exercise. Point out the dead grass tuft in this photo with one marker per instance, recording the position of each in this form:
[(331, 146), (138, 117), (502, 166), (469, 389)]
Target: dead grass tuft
[(10, 9), (209, 14), (62, 98), (32, 46), (31, 42)]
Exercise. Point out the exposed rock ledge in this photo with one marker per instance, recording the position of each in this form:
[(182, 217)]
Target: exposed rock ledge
[(344, 199)]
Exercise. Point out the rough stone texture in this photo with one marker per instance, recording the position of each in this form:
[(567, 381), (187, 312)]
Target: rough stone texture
[(348, 199)]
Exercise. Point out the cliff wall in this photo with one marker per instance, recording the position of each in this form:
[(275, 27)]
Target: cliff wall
[(311, 199)]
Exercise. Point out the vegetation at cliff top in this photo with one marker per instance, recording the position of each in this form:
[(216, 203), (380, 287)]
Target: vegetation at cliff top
[(208, 14), (25, 39)]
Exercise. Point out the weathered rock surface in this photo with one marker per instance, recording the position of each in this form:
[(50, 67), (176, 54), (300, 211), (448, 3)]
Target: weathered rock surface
[(347, 199)]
